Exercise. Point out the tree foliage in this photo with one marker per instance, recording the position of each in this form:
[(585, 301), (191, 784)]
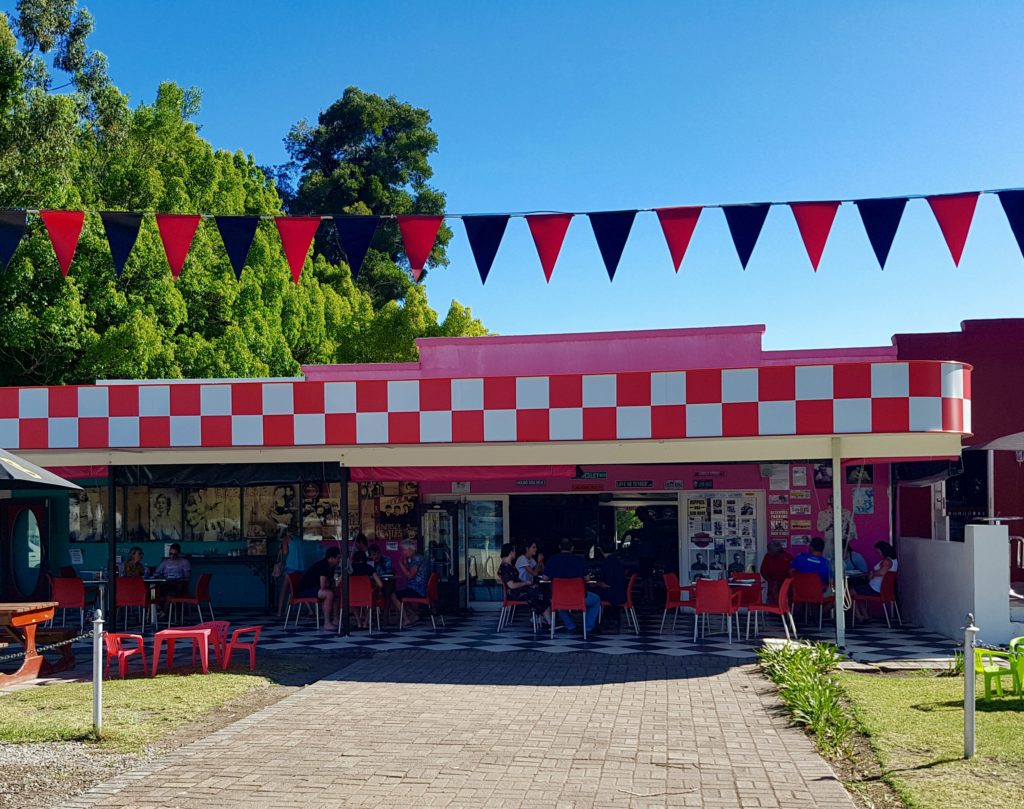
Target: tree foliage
[(82, 145)]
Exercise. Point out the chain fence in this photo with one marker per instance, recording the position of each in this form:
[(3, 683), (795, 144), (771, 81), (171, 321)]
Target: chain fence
[(47, 647)]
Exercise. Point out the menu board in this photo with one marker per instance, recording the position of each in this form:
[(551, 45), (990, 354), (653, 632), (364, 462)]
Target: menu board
[(722, 534)]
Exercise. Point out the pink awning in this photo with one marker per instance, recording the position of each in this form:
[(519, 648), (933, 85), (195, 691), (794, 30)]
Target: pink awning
[(459, 473)]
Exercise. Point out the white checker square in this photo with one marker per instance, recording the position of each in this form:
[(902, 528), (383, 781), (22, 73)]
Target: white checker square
[(123, 431), (467, 394), (215, 400), (10, 433), (739, 385), (967, 416), (186, 431), (668, 388), (633, 422), (33, 403), (776, 418), (814, 382), (339, 397), (404, 396), (63, 432), (247, 431), (92, 402), (566, 424), (532, 393), (852, 415), (310, 429), (703, 420), (154, 400), (371, 428), (925, 414), (889, 379), (278, 399), (499, 425), (436, 426), (599, 390), (952, 380)]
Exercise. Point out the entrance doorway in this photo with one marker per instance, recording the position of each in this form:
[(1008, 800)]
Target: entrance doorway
[(24, 547)]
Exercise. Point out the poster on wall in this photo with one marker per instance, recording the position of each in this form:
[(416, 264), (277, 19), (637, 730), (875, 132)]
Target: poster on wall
[(823, 475), (800, 525), (271, 511), (863, 501), (799, 477), (212, 514), (800, 539), (800, 494), (777, 474), (862, 475), (721, 534), (165, 515), (87, 514), (778, 499), (801, 509), (321, 510), (778, 522), (388, 510)]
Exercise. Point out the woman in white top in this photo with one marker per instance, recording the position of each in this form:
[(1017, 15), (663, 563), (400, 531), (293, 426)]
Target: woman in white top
[(873, 586), (526, 564)]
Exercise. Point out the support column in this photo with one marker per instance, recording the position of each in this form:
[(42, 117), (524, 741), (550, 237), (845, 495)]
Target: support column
[(346, 623), (111, 606), (837, 541)]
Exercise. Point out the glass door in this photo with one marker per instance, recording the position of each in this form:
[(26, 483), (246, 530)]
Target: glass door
[(486, 531), (23, 550), (443, 526)]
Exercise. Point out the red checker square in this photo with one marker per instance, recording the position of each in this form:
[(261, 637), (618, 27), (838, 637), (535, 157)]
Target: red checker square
[(633, 389), (953, 415), (500, 393), (123, 401), (340, 428), (599, 424), (9, 403), (890, 415), (184, 400), (93, 433), (776, 383), (925, 379), (739, 418), (533, 425), (279, 431), (246, 398), (63, 402), (372, 396), (215, 431), (435, 394), (967, 383), (704, 386), (403, 428), (33, 434), (154, 431), (814, 418), (468, 426), (565, 390), (851, 380), (668, 421), (308, 397)]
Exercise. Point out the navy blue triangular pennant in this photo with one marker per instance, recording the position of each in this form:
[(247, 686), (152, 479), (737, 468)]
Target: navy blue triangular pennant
[(745, 223), (122, 230), (881, 219), (356, 235), (237, 233), (12, 228), (611, 229), (1013, 207), (485, 233)]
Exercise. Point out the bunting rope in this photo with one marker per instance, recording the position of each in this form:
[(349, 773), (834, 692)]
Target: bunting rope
[(880, 216)]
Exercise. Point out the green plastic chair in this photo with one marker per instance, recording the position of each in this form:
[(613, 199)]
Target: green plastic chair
[(986, 664), (1017, 650)]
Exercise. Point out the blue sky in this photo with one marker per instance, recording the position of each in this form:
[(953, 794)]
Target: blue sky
[(600, 105)]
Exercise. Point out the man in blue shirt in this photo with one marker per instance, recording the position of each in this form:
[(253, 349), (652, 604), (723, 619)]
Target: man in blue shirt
[(567, 565), (814, 562)]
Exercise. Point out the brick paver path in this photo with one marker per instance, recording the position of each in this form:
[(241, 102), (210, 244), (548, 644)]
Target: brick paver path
[(470, 729)]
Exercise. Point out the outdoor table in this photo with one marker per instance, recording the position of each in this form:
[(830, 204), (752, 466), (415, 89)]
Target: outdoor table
[(18, 621), (200, 638), (153, 584)]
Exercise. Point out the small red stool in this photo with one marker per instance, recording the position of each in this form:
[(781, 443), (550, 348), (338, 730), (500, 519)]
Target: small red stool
[(200, 639)]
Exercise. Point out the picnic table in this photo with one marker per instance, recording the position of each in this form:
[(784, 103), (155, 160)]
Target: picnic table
[(18, 622)]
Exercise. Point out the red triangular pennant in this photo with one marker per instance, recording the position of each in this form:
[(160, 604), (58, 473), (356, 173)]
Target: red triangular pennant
[(419, 234), (64, 228), (176, 232), (297, 234), (814, 219), (677, 224), (548, 230), (954, 213)]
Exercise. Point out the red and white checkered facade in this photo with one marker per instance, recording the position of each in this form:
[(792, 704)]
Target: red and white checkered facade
[(783, 400)]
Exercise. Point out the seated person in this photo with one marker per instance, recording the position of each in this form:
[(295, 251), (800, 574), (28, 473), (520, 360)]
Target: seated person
[(318, 581), (134, 565), (814, 561), (416, 570), (853, 562), (177, 570), (381, 563), (775, 568), (526, 564), (873, 586), (566, 565), (362, 567), (519, 590)]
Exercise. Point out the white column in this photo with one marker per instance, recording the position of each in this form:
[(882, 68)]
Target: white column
[(837, 541)]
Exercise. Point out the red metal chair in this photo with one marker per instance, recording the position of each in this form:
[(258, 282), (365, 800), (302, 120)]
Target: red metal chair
[(781, 609), (250, 646), (201, 596), (132, 592), (886, 598), (673, 600), (508, 608), (432, 602), (69, 595), (713, 597), (360, 597), (312, 602), (569, 595), (114, 641), (808, 588)]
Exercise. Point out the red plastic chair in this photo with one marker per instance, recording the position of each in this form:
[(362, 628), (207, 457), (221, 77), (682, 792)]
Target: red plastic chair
[(69, 595), (886, 598), (201, 596), (781, 609), (508, 608), (114, 641), (432, 601), (569, 595), (219, 636), (713, 597), (808, 588), (627, 606), (752, 593), (132, 592), (673, 600), (312, 602), (235, 643), (360, 597)]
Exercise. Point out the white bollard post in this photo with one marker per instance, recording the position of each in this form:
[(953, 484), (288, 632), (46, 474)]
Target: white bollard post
[(97, 673), (970, 632)]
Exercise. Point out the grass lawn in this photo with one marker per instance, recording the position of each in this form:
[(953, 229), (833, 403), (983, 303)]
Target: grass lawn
[(915, 725), (136, 711)]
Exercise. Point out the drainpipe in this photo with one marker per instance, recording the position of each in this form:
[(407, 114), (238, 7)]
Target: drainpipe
[(837, 541), (346, 623), (990, 481)]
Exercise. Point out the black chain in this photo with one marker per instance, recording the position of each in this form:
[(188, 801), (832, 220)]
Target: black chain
[(48, 647)]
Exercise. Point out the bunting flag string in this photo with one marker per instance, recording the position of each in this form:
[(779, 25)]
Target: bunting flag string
[(881, 217)]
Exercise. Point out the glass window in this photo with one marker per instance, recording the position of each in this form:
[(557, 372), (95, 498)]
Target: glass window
[(271, 511), (213, 514), (87, 514), (135, 514), (27, 556)]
